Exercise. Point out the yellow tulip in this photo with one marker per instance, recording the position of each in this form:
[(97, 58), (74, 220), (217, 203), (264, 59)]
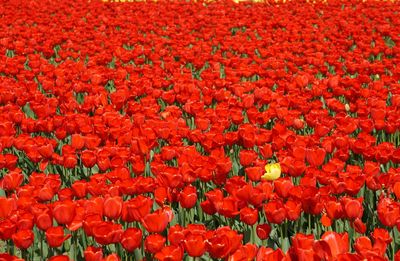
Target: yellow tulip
[(272, 171)]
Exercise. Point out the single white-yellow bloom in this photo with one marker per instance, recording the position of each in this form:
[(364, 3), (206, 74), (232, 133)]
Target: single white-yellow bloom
[(272, 171)]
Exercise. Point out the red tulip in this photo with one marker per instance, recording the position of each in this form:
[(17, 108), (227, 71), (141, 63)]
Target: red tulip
[(46, 151), (302, 248), (23, 239), (388, 212), (293, 209), (188, 197), (246, 131), (194, 245), (247, 157), (113, 207), (268, 254), (7, 229), (310, 198), (353, 207), (249, 215), (263, 231), (366, 250), (297, 168), (65, 194), (112, 257), (266, 151), (64, 212), (91, 221), (46, 193), (218, 246), (241, 191), (223, 242), (77, 141), (381, 234), (259, 194), (275, 211), (107, 233), (137, 208), (55, 236), (396, 189), (162, 195), (103, 163), (176, 235), (315, 157), (70, 161), (154, 243), (157, 221), (12, 180), (282, 186), (359, 226), (79, 188), (94, 205), (254, 173), (8, 257), (381, 240), (131, 239), (92, 141), (302, 81), (331, 245), (25, 220), (171, 178), (93, 253), (7, 206), (59, 258), (168, 153), (228, 206), (334, 210), (208, 207), (170, 253), (246, 252), (298, 147), (197, 229), (88, 158)]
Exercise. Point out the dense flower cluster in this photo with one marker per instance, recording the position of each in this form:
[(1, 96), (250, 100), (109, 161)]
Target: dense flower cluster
[(177, 130)]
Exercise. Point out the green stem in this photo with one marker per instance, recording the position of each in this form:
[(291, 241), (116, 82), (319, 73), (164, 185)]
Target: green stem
[(138, 254), (284, 239), (253, 234), (41, 238), (393, 243), (74, 245)]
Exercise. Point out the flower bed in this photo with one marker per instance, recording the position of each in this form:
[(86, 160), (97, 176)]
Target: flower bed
[(199, 131)]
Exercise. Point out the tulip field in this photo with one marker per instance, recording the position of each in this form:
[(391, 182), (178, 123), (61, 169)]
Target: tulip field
[(199, 130)]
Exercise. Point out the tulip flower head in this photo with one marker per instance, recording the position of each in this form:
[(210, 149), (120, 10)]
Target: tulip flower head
[(272, 171)]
